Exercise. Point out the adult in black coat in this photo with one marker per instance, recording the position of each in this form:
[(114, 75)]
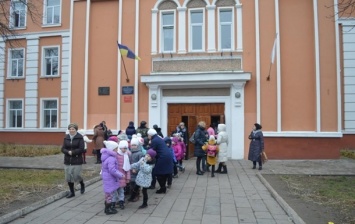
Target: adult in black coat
[(164, 160), (158, 130), (201, 138), (130, 130), (256, 145), (73, 148)]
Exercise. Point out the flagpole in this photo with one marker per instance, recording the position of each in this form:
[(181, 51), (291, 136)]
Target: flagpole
[(268, 77), (124, 66)]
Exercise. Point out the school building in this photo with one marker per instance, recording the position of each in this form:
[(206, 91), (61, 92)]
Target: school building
[(288, 65)]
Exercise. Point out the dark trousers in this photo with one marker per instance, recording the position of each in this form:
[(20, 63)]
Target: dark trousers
[(162, 180), (259, 161), (98, 156), (199, 160)]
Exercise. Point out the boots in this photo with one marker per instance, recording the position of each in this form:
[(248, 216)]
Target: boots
[(82, 187), (71, 188), (110, 209), (134, 196), (212, 173), (145, 204), (208, 168), (219, 168), (224, 168), (121, 204)]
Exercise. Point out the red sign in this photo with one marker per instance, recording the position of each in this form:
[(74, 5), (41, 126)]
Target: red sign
[(127, 99)]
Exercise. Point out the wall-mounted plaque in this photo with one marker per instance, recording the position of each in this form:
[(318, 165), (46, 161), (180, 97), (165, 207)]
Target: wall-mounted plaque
[(104, 91), (127, 90)]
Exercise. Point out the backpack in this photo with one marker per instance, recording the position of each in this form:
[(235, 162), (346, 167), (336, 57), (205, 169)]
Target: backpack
[(211, 150), (192, 138)]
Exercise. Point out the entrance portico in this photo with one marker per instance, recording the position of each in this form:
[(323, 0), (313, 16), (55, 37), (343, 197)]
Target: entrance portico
[(204, 87)]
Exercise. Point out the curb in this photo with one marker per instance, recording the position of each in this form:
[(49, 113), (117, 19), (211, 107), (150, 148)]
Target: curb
[(24, 211), (295, 217)]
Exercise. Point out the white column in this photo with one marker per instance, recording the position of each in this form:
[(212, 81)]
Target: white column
[(31, 89), (2, 84), (257, 59), (86, 72), (118, 84), (238, 7), (64, 111), (236, 131), (316, 49), (182, 30), (136, 78), (154, 30), (211, 30), (337, 47), (278, 69)]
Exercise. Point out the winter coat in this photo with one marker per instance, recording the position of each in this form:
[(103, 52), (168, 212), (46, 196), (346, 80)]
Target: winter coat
[(222, 142), (144, 169), (178, 152), (76, 146), (164, 160), (158, 130), (143, 131), (211, 145), (86, 140), (183, 133), (98, 138), (130, 130), (136, 156), (109, 172), (256, 145), (200, 140), (127, 174)]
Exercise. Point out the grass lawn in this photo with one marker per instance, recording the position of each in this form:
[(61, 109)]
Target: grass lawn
[(28, 150)]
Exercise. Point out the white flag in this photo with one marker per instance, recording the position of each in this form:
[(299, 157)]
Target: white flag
[(273, 51)]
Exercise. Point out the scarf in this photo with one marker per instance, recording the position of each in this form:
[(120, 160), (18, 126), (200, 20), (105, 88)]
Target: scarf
[(126, 164)]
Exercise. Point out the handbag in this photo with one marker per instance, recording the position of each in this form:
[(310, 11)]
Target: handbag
[(192, 138), (264, 158)]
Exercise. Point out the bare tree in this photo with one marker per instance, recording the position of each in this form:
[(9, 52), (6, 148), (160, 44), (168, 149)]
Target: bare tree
[(346, 8), (13, 13)]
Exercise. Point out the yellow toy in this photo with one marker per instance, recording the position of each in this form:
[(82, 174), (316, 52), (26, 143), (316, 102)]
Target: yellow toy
[(211, 150)]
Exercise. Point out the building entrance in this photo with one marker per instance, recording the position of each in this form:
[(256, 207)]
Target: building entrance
[(191, 114)]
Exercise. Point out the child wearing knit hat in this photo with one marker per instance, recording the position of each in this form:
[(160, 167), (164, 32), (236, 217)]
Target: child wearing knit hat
[(110, 175), (124, 166), (144, 168), (137, 154)]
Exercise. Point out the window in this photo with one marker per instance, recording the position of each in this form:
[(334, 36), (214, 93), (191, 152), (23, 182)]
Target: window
[(50, 61), (15, 113), (196, 30), (49, 113), (16, 63), (168, 31), (226, 32), (52, 11), (18, 14)]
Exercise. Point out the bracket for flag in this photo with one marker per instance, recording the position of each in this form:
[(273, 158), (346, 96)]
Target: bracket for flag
[(125, 70)]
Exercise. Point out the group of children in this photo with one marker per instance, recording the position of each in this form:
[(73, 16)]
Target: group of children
[(127, 165)]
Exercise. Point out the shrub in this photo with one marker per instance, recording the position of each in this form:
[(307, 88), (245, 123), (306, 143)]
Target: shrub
[(28, 150), (349, 153)]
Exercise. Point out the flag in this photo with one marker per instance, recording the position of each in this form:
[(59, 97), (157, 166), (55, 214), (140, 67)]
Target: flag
[(125, 51), (273, 51)]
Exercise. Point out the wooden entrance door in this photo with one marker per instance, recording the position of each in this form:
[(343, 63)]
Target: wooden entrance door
[(195, 113)]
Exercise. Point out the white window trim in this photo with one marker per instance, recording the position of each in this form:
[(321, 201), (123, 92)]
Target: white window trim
[(8, 113), (43, 69), (11, 20), (9, 63), (232, 31), (42, 114), (44, 21), (203, 30), (161, 39)]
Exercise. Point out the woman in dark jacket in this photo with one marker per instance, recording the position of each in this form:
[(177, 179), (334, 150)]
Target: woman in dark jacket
[(130, 130), (200, 137), (164, 160), (73, 147), (256, 145)]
